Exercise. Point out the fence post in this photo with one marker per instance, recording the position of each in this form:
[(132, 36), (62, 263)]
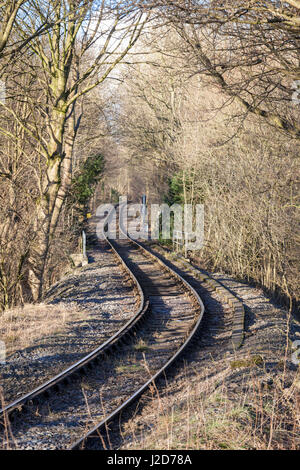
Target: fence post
[(83, 244), (2, 92), (2, 352), (145, 227)]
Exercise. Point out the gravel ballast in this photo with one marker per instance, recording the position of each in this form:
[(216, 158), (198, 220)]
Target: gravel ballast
[(102, 301)]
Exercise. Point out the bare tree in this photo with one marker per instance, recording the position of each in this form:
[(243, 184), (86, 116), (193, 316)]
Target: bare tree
[(249, 50), (246, 176), (8, 11), (12, 13), (87, 41), (18, 190)]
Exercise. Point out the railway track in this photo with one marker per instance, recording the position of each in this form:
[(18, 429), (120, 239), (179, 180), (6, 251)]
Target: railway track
[(68, 411)]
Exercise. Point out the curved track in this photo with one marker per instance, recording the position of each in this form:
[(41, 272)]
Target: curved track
[(160, 285), (168, 317)]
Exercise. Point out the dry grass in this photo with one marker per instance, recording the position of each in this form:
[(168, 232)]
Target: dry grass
[(21, 327), (208, 414), (141, 346)]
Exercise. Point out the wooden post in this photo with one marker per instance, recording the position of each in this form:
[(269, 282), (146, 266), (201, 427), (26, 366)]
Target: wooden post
[(83, 244)]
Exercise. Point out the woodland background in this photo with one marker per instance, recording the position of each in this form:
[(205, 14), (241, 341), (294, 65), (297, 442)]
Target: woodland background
[(186, 101)]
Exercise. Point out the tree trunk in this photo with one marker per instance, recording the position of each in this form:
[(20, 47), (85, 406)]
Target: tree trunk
[(44, 225)]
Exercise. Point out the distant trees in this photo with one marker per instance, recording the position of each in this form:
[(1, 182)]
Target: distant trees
[(66, 73), (189, 143), (149, 119), (249, 50), (18, 188), (87, 40), (189, 119)]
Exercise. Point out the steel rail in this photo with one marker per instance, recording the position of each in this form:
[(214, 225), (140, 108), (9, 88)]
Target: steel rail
[(87, 361), (102, 425)]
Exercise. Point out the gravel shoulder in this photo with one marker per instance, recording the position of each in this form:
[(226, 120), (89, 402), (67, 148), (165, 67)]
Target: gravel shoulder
[(225, 399), (94, 301)]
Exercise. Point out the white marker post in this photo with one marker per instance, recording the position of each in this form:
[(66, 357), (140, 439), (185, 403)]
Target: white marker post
[(144, 218), (85, 259), (83, 244), (2, 353), (2, 92), (177, 240)]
